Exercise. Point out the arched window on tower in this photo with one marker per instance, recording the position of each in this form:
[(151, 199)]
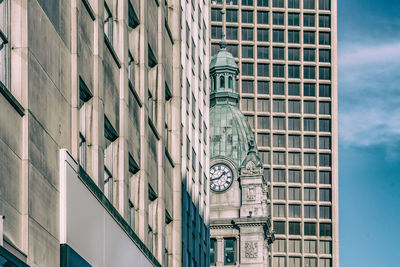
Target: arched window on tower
[(214, 81), (230, 82), (222, 81)]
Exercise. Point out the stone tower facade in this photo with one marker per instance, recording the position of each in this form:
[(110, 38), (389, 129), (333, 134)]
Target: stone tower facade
[(240, 227)]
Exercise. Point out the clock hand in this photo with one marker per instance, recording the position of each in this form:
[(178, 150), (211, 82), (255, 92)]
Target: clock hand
[(223, 173)]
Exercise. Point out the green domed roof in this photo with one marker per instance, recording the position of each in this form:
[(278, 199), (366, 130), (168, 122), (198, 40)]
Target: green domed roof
[(223, 59), (230, 132)]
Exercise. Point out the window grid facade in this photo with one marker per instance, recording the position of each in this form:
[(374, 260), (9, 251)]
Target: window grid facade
[(284, 102)]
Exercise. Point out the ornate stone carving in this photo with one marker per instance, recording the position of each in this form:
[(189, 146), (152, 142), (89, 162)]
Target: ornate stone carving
[(251, 249), (251, 193)]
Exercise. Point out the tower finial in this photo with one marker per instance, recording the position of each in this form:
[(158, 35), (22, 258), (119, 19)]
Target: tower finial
[(223, 43)]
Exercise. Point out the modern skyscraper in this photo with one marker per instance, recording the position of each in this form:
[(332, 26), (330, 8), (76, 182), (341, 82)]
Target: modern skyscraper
[(91, 133), (195, 49), (287, 53)]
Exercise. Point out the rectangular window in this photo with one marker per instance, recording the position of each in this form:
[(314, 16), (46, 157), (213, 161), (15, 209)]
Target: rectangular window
[(310, 262), (310, 194), (247, 86), (325, 247), (262, 35), (294, 176), (279, 123), (280, 228), (309, 228), (324, 125), (294, 211), (294, 71), (293, 4), (278, 88), (309, 20), (324, 21), (262, 52), (247, 69), (229, 251), (5, 44), (309, 125), (310, 159), (325, 108), (216, 14), (278, 36), (295, 262), (325, 160), (293, 19), (295, 245), (279, 158), (233, 49), (294, 141), (278, 53), (263, 88), (294, 193), (309, 107), (325, 194), (294, 228), (110, 135), (84, 96), (278, 18), (294, 89), (247, 34), (279, 175), (324, 38), (247, 16), (279, 105), (216, 32), (309, 177), (324, 4), (294, 158), (231, 15), (294, 124), (294, 54), (293, 37), (262, 69), (263, 139), (309, 73), (325, 55), (278, 70), (310, 211), (310, 246), (309, 54), (309, 37), (213, 251), (279, 193), (278, 3), (325, 142), (265, 157), (309, 141), (247, 51), (247, 104), (324, 73), (325, 212), (325, 177), (325, 229), (263, 122), (247, 2), (231, 33), (325, 90), (279, 245), (250, 119), (279, 210), (108, 23), (262, 17), (294, 106), (279, 140), (309, 4)]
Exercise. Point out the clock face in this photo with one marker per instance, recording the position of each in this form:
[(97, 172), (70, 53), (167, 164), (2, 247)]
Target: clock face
[(221, 177)]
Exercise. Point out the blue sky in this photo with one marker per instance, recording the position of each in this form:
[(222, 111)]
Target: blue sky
[(369, 132)]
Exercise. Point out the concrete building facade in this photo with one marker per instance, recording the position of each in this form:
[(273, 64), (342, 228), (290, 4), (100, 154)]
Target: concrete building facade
[(195, 47), (287, 53), (91, 100)]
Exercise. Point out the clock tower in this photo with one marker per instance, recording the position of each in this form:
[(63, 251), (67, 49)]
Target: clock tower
[(240, 226)]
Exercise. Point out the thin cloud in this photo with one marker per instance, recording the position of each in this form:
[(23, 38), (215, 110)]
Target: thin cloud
[(369, 92)]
